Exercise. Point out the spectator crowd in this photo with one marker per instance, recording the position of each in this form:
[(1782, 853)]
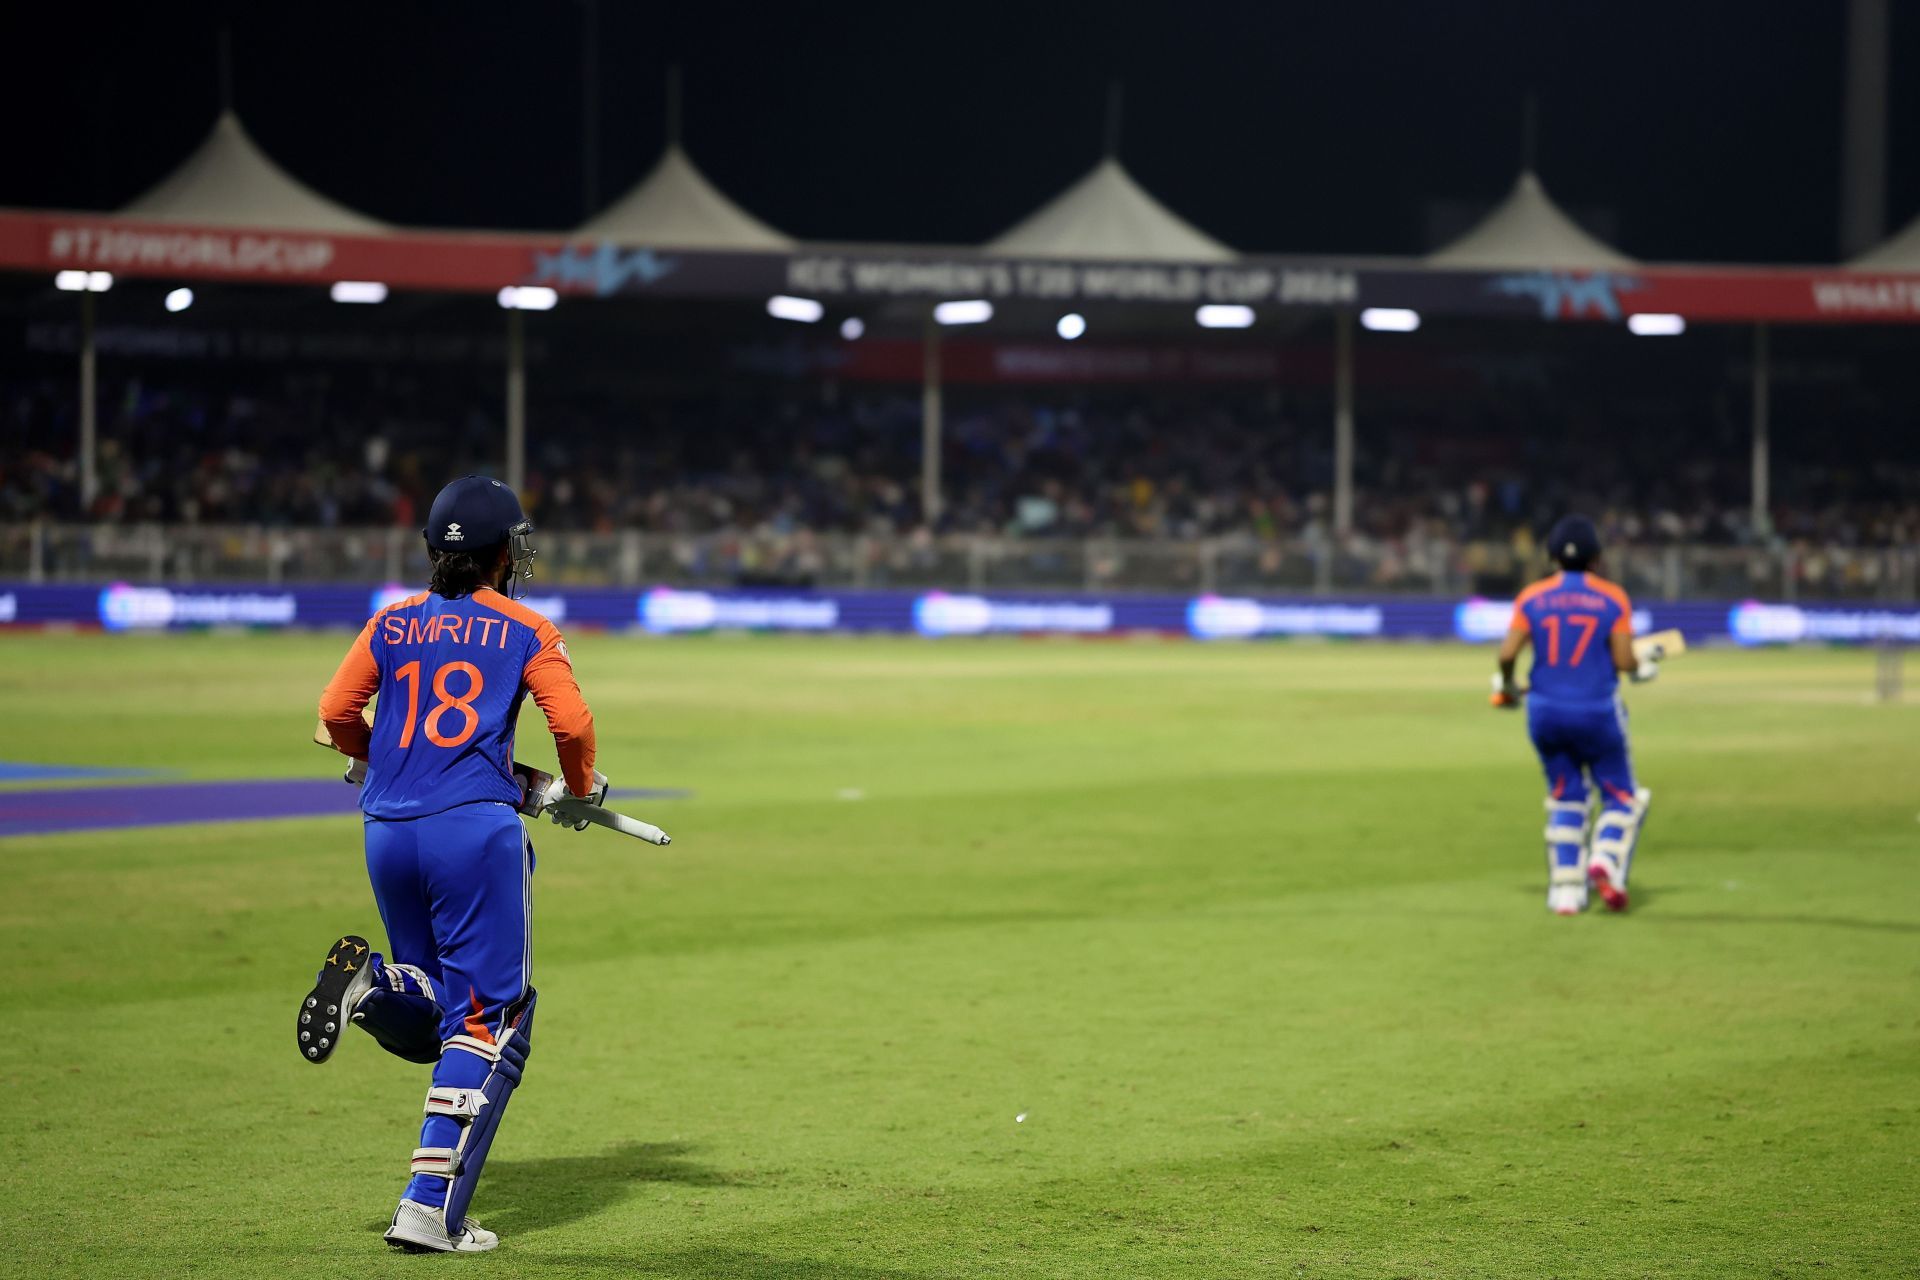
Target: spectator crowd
[(1237, 464)]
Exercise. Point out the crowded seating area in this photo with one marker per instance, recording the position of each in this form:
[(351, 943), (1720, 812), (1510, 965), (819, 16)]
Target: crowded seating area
[(1043, 463)]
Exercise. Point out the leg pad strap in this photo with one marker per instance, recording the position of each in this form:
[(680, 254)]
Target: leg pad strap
[(436, 1162), (461, 1104), (474, 1045), (1566, 835), (409, 979)]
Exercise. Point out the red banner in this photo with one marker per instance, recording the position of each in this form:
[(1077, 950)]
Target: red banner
[(1830, 294), (487, 261), (976, 362), (445, 260)]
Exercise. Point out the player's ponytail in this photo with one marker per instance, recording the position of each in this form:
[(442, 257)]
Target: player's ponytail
[(461, 573)]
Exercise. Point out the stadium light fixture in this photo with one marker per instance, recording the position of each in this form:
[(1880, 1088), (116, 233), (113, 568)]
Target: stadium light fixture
[(1390, 319), (853, 328), (804, 310), (1221, 315), (179, 299), (1653, 324), (528, 297), (359, 291), (1071, 325), (970, 311), (83, 281)]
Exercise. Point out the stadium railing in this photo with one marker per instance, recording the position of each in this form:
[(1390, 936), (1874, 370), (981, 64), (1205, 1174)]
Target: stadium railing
[(186, 554)]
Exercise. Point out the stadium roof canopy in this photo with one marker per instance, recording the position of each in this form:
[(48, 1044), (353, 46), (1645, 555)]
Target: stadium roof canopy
[(675, 206), (1528, 230), (229, 181), (1899, 252), (1108, 215)]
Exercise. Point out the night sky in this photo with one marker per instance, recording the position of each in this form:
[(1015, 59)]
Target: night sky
[(1705, 130)]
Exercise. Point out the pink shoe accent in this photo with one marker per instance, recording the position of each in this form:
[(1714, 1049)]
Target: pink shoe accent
[(1616, 899)]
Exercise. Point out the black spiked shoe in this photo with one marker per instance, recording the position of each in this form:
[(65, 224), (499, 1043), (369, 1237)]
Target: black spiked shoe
[(345, 977)]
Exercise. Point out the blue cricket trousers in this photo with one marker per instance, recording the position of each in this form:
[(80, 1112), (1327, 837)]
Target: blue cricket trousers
[(455, 891), (1581, 740)]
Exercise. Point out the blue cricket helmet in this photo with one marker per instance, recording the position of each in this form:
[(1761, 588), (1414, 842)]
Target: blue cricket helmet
[(478, 513), (472, 512), (1574, 543)]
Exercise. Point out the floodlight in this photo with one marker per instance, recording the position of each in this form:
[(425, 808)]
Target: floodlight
[(359, 291), (528, 297), (805, 310), (1655, 324), (1220, 315), (83, 281), (971, 311), (1390, 319)]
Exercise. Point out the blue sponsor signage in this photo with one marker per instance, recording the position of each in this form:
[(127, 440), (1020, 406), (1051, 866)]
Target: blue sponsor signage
[(668, 610)]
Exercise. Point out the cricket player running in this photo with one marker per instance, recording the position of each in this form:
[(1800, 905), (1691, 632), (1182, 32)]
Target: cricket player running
[(1581, 629), (450, 863)]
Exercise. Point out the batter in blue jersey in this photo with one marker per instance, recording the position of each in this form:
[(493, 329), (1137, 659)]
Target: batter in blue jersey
[(450, 862), (1580, 627)]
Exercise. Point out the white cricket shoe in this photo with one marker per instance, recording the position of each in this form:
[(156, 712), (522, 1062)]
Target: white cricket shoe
[(1566, 899), (420, 1229)]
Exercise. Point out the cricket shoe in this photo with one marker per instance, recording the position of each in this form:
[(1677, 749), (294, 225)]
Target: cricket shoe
[(1614, 842), (1566, 899), (345, 978), (1601, 875), (420, 1229)]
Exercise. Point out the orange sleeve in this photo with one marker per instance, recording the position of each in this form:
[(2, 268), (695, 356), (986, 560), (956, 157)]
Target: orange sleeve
[(1520, 621), (549, 678), (347, 695), (1618, 594)]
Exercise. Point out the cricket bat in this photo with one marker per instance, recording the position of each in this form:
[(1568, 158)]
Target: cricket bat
[(526, 774), (612, 821), (536, 783), (1659, 645), (321, 738)]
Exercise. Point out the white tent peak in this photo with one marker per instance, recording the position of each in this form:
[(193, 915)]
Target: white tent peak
[(1108, 215), (1528, 229), (229, 181), (675, 206), (1899, 252)]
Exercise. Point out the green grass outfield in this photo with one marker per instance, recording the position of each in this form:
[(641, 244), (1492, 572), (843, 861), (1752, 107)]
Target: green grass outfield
[(1252, 934)]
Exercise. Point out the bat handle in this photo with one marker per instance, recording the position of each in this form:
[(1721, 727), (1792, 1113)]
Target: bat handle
[(634, 827)]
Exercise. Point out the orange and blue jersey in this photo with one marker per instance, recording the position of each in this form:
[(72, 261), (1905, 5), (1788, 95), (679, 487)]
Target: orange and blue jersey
[(451, 676), (1571, 618)]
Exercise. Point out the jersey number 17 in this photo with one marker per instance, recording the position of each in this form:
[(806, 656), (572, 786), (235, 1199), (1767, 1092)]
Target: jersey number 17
[(1550, 623)]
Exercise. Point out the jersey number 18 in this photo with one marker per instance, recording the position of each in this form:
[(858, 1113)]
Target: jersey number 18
[(447, 702)]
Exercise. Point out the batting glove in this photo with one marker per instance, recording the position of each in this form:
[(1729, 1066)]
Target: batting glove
[(557, 790)]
